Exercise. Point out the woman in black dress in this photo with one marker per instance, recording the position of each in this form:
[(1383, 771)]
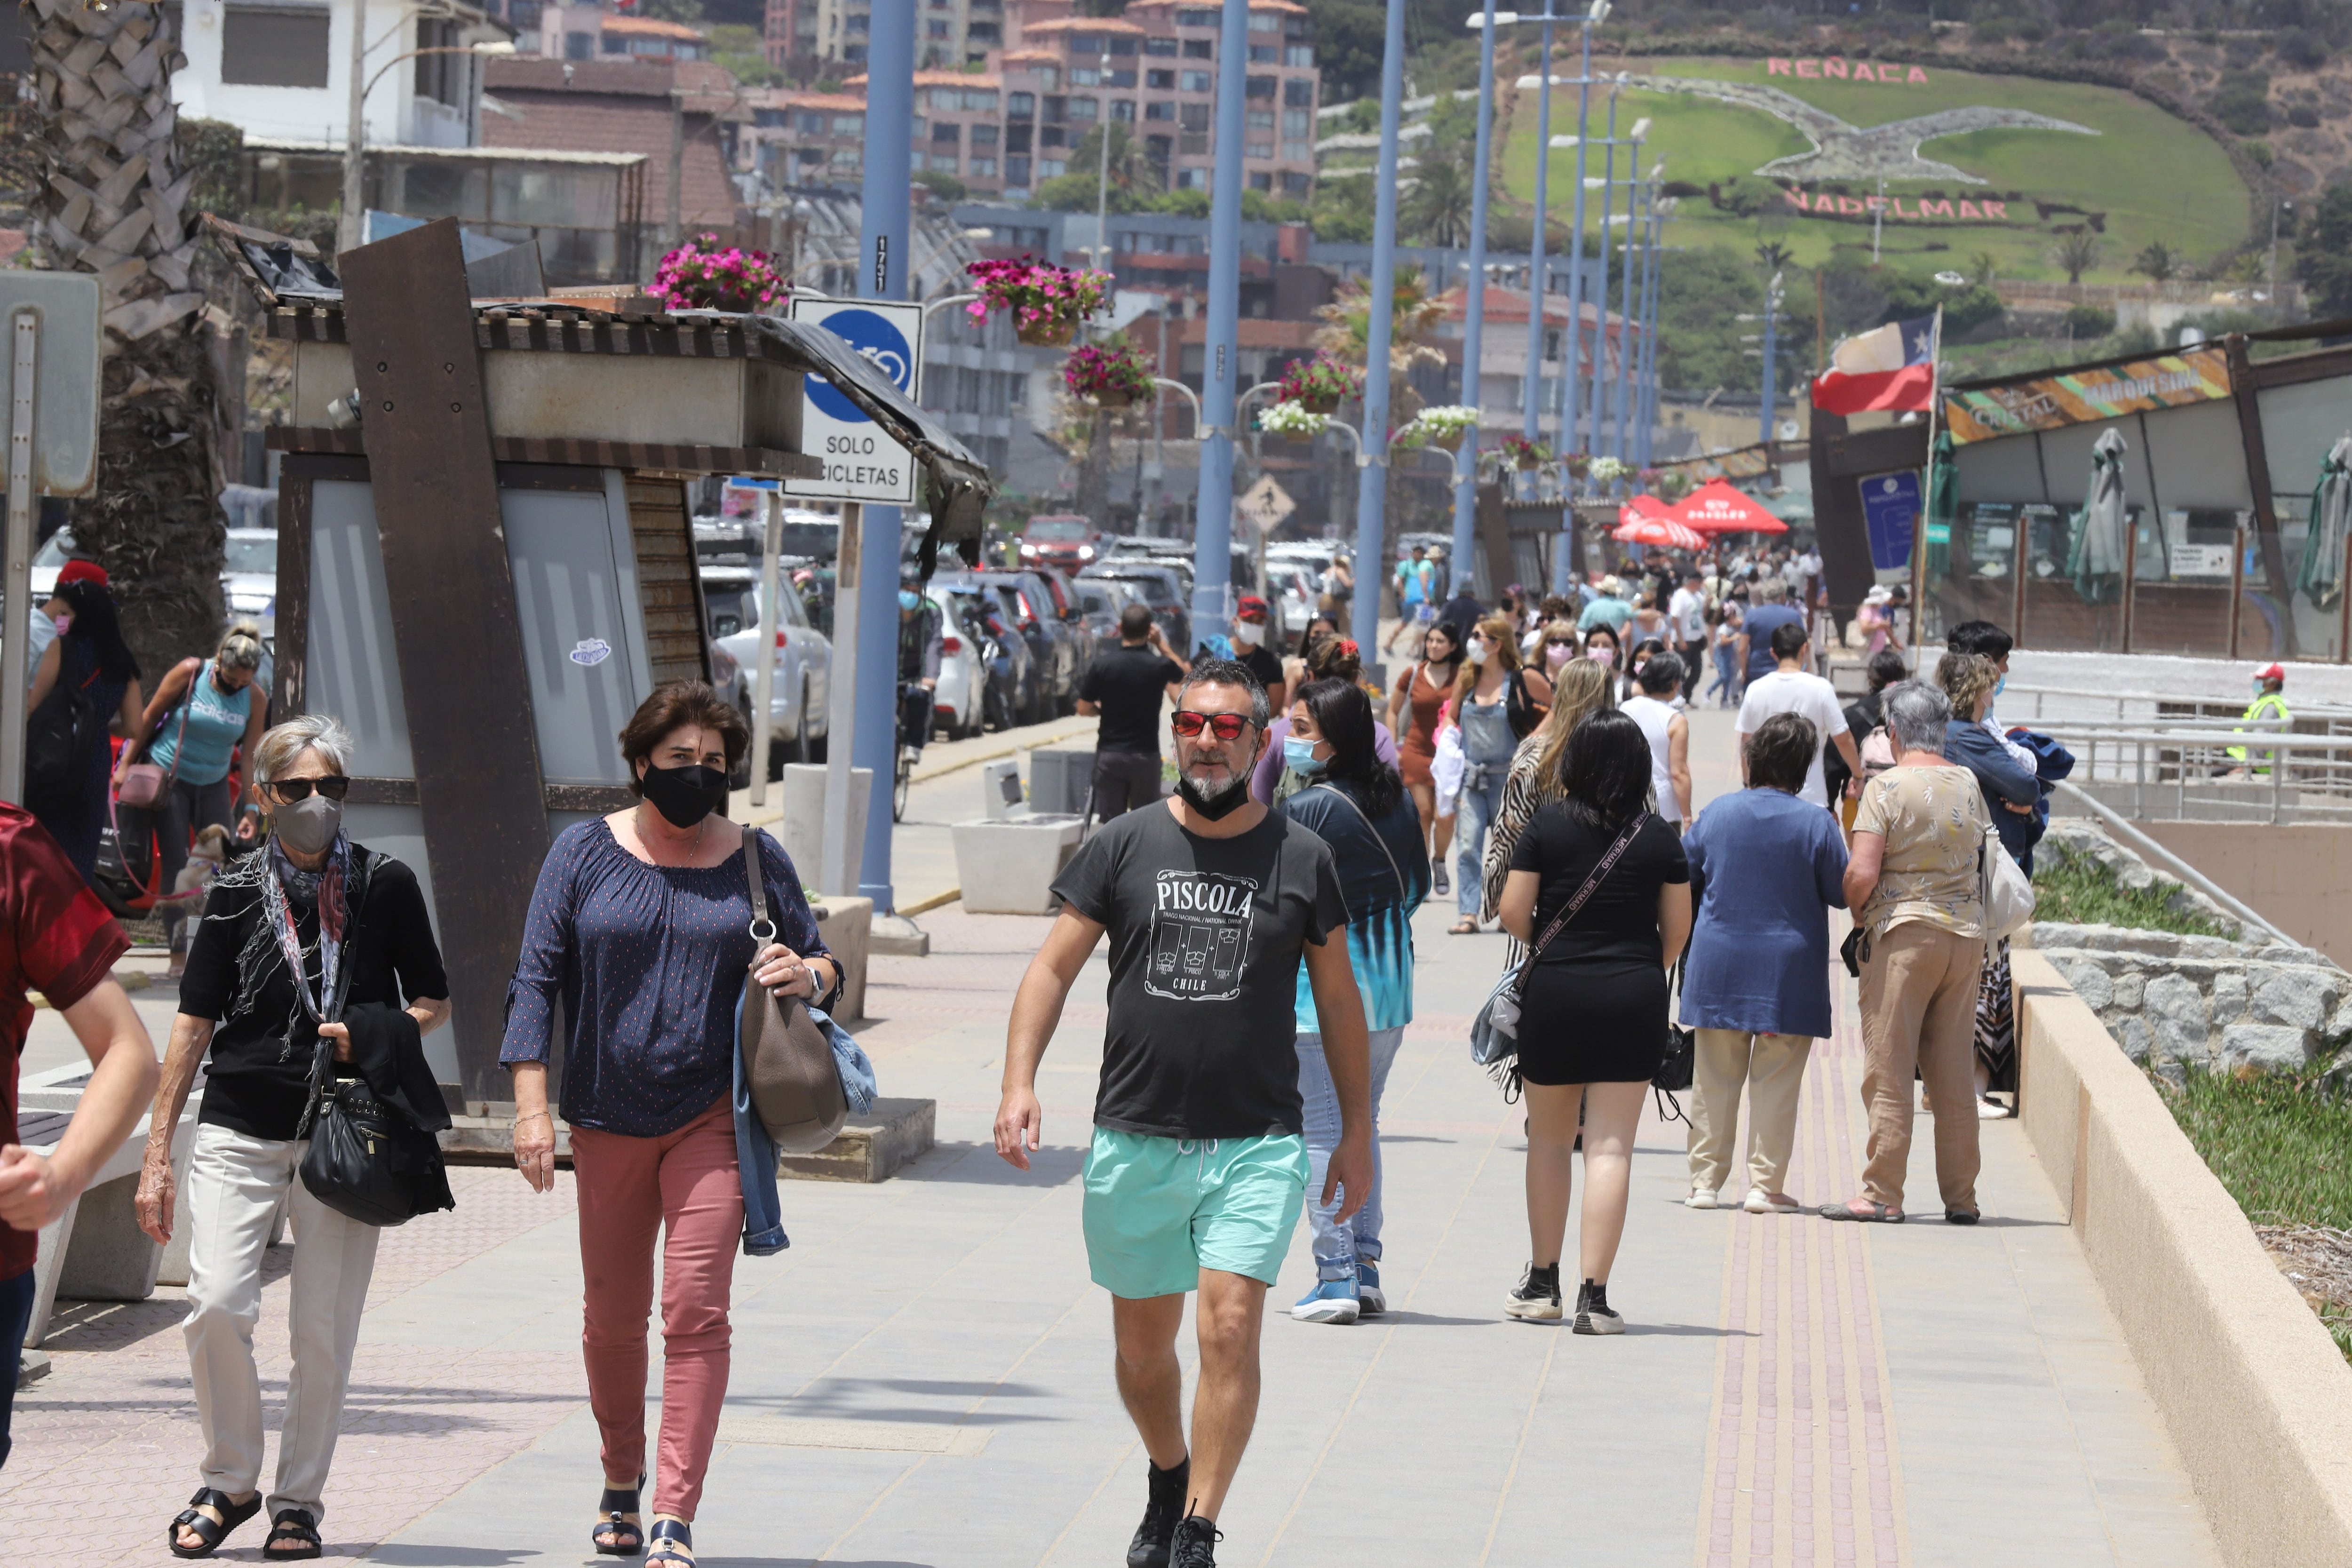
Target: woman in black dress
[(1593, 1014)]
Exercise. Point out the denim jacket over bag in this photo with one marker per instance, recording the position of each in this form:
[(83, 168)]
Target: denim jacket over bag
[(755, 1151)]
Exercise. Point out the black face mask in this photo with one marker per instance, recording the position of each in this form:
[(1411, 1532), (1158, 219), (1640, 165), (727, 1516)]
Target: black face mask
[(684, 795), (1222, 804)]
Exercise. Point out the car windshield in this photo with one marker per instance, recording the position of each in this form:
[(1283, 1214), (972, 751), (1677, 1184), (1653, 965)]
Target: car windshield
[(1058, 528), (251, 554), (1101, 601)]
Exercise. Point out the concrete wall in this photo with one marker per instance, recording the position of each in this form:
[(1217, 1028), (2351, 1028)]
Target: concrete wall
[(2298, 877), (2250, 1386)]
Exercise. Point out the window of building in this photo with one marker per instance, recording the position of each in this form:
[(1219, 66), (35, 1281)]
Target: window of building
[(1160, 81), (1122, 43), (938, 29), (985, 103), (1301, 56), (1084, 111), (849, 125), (1020, 105), (1297, 123), (920, 123), (1265, 54), (1196, 81), (947, 98), (1298, 92), (1159, 45), (1297, 184), (983, 136), (614, 44), (1196, 117), (983, 168), (1161, 110), (1261, 119), (1057, 110), (1016, 138), (1259, 87), (1193, 143), (1052, 168), (1016, 171), (1192, 179), (812, 124), (946, 133), (1196, 18), (984, 33), (855, 22), (1051, 136), (1258, 150), (275, 46), (1085, 43), (576, 47), (1261, 182), (1265, 22), (439, 77), (1123, 111), (1298, 151), (1200, 49), (1125, 79)]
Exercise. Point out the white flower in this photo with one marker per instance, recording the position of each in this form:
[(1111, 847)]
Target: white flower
[(1446, 418), (1294, 419), (1605, 470)]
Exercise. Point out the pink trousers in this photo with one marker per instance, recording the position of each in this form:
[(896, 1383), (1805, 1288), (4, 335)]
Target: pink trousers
[(683, 1184)]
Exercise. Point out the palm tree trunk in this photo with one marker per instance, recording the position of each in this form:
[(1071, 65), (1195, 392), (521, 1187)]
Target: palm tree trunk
[(113, 201)]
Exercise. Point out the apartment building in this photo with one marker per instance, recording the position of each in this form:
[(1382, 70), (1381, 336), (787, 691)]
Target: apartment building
[(283, 72), (589, 32), (803, 141)]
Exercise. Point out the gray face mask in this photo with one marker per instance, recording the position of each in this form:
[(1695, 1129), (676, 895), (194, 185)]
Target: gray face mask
[(308, 826)]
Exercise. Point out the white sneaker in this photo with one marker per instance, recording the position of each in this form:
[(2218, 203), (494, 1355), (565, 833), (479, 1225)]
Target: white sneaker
[(1700, 1200), (1762, 1202), (1991, 1109)]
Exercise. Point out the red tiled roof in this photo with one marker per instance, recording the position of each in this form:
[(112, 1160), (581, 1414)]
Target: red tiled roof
[(1082, 25), (653, 27)]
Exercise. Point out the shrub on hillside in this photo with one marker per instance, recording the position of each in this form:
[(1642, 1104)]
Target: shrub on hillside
[(2242, 101), (2084, 321)]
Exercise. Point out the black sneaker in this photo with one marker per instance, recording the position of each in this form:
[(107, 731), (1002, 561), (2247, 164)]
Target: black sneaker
[(1160, 1514), (1537, 1295), (1196, 1543), (1593, 1315)]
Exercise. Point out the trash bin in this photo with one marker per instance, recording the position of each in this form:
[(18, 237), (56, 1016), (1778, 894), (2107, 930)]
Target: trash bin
[(1061, 780), (1007, 867)]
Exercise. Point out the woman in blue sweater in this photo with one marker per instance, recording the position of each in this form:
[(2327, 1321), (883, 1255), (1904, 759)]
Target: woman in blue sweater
[(2011, 791)]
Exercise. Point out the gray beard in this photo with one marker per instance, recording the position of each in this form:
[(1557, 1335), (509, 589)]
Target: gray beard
[(1216, 806)]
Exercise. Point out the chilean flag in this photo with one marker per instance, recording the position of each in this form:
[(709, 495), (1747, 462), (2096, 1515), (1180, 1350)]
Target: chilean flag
[(1890, 369)]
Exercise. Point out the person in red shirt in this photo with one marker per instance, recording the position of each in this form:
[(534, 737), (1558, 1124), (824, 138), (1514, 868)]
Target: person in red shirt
[(57, 938)]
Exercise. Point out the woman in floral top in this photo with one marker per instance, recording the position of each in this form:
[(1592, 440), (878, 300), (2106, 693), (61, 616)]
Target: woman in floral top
[(1912, 883)]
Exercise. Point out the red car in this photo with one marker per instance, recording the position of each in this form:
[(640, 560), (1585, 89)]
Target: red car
[(1060, 538)]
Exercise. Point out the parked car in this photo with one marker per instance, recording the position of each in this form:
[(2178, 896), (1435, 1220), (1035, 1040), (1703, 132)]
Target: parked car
[(1100, 600), (798, 703), (1011, 675), (1052, 641), (959, 702), (1061, 539), (1291, 585), (1063, 589), (248, 576), (1160, 585)]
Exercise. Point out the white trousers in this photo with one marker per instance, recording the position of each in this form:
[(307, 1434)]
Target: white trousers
[(234, 1187)]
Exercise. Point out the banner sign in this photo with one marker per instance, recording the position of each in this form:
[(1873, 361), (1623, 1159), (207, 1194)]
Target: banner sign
[(1890, 510), (861, 463), (2054, 402)]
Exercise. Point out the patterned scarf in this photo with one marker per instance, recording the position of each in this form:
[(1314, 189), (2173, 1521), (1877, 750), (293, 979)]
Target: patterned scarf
[(337, 891)]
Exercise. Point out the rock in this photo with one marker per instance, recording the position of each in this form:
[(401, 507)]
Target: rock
[(2118, 939), (2272, 1048), (2090, 982), (2172, 1073), (2229, 996), (2048, 934), (2135, 1037), (2278, 952), (2177, 1010), (2298, 995), (2213, 947), (2131, 990)]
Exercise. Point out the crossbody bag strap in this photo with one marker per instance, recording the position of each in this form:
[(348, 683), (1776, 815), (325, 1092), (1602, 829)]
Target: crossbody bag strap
[(1568, 912), (1404, 894), (759, 886)]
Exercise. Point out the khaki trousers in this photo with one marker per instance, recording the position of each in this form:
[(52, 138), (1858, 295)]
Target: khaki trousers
[(1919, 1011), (1773, 1069)]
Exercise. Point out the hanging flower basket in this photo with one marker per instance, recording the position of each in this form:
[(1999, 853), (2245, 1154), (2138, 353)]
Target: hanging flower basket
[(1321, 384), (1288, 421), (1109, 375), (1445, 426), (1606, 471), (1047, 302), (701, 275), (1525, 454)]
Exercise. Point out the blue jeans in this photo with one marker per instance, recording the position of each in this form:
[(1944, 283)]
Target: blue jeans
[(1474, 813), (15, 1316), (1726, 674), (1338, 1245)]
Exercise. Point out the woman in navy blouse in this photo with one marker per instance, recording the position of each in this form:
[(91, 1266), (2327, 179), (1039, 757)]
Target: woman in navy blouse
[(641, 925)]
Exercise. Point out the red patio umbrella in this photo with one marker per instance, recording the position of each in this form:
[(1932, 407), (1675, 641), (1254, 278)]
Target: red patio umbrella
[(1717, 507), (1659, 530)]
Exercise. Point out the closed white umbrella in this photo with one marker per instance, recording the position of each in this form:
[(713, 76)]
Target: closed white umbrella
[(2322, 577), (2097, 564)]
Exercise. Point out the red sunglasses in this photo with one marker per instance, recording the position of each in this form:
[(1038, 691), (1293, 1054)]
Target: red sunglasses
[(1224, 726)]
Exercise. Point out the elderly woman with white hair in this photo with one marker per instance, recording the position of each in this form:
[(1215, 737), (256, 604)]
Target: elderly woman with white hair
[(1911, 882), (310, 938)]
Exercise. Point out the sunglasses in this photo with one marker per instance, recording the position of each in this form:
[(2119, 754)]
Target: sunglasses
[(333, 787), (1224, 726)]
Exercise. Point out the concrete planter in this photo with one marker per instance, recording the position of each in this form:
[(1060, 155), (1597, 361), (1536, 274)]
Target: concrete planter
[(1008, 867)]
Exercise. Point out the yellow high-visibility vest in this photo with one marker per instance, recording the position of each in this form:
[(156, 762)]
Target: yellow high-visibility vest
[(2270, 705)]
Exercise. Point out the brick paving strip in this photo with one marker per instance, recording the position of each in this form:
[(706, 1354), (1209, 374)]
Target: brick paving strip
[(107, 1446), (1801, 1375)]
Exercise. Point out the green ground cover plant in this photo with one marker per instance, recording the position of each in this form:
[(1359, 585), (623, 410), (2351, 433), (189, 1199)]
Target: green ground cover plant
[(2080, 891)]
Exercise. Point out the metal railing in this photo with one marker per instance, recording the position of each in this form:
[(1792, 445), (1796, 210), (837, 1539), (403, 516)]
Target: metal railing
[(2023, 704), (2206, 772), (2149, 849)]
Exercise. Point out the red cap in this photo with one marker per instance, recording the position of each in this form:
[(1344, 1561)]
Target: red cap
[(1250, 608), (79, 570), (2270, 672)]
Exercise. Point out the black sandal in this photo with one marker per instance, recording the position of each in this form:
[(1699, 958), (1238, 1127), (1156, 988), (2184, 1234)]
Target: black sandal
[(211, 1531), (612, 1507), (291, 1524), (673, 1542)]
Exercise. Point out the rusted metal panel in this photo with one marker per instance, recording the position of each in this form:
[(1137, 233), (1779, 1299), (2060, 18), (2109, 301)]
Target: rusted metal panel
[(478, 789), (668, 587)]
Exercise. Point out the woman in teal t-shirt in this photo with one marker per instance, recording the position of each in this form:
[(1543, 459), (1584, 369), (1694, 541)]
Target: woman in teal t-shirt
[(222, 712)]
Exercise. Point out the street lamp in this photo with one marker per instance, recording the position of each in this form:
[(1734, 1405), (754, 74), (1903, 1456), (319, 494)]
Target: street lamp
[(1474, 305), (1597, 14), (351, 231)]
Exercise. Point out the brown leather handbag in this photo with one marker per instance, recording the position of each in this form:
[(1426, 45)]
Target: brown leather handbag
[(787, 1060)]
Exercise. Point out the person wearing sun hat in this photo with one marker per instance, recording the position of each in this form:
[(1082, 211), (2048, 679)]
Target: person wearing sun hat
[(1250, 619)]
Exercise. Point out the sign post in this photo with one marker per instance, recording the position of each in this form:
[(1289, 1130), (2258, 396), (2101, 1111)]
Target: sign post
[(1265, 506), (764, 677), (54, 360)]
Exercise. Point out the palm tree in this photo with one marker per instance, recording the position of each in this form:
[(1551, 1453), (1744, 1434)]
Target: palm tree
[(2077, 253), (1135, 179), (1413, 315), (114, 201), (1774, 256)]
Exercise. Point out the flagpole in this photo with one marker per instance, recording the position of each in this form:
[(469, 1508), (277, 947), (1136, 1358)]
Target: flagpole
[(1927, 489)]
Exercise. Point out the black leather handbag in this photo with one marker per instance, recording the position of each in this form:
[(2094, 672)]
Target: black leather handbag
[(367, 1160), (1682, 1044)]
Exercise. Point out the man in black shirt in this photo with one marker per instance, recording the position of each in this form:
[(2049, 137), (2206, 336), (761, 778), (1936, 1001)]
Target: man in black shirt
[(1124, 685), (1250, 619), (920, 641), (1198, 1169)]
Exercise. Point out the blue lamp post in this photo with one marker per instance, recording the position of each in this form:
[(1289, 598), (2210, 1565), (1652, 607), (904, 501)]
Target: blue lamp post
[(884, 271), (1767, 409), (1600, 315), (1646, 411), (1473, 310), (1213, 533), (1638, 193), (1531, 398), (1380, 299)]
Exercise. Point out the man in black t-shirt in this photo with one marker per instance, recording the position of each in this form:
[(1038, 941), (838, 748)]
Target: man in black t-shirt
[(1197, 1171), (1124, 685)]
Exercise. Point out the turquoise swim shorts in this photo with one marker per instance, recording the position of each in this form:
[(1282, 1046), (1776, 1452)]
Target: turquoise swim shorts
[(1159, 1210)]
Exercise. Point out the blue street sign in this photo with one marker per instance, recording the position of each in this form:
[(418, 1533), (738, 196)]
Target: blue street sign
[(1890, 509), (879, 339)]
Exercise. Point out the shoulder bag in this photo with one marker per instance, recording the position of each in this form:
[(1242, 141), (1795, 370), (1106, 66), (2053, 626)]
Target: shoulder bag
[(788, 1060), (2001, 883), (1494, 1032), (366, 1160), (145, 784)]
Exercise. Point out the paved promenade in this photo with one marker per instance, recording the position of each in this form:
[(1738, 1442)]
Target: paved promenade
[(924, 1378)]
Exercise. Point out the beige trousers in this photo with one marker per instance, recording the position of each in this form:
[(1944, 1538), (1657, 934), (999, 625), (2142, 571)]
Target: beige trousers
[(1772, 1066), (1919, 1011), (235, 1186)]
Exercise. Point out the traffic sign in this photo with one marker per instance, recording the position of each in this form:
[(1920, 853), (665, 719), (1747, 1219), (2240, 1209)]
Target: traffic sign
[(1266, 504), (63, 307), (861, 463)]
